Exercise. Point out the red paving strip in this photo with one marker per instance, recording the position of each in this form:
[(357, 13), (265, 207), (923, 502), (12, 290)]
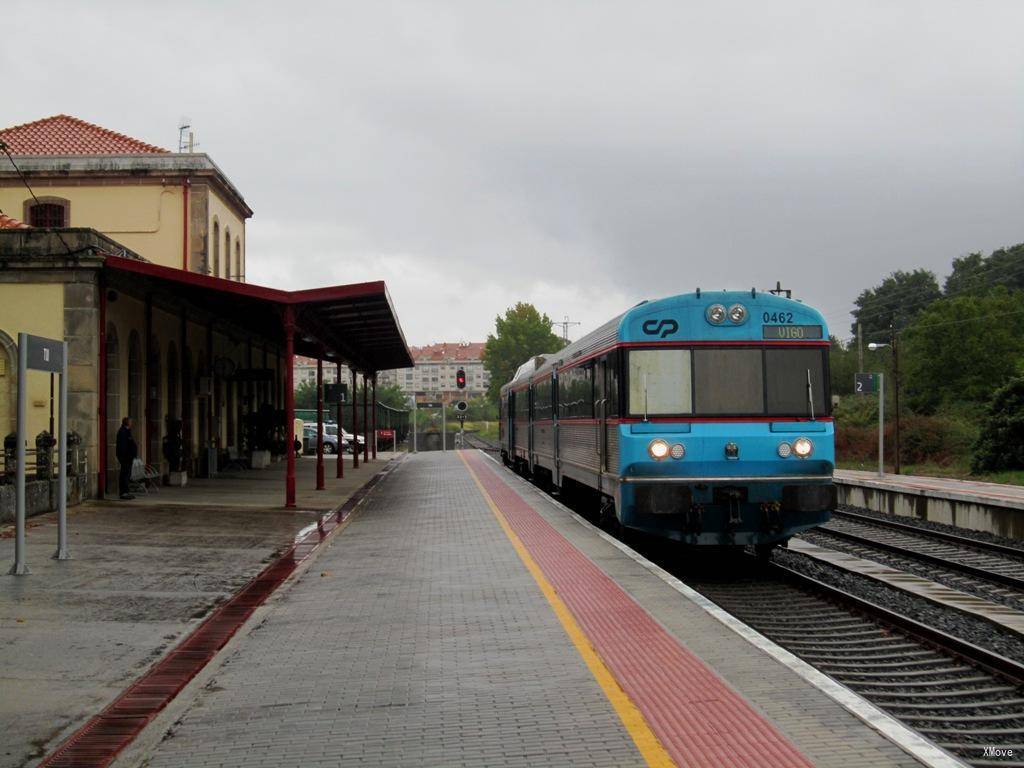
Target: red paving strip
[(697, 717), (99, 741)]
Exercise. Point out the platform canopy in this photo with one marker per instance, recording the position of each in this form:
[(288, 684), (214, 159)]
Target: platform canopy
[(355, 324)]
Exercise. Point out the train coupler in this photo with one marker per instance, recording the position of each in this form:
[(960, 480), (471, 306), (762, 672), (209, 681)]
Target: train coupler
[(771, 512)]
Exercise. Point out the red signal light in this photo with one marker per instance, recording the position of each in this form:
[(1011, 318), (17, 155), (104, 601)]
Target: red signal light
[(460, 379)]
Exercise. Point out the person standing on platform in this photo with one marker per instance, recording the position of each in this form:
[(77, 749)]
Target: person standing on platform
[(127, 450)]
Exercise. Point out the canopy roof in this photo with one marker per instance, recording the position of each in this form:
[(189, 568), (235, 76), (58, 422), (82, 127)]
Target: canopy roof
[(355, 324)]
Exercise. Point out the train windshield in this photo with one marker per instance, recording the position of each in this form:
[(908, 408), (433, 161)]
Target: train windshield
[(727, 382)]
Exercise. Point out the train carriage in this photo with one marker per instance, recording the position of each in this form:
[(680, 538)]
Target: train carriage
[(702, 417)]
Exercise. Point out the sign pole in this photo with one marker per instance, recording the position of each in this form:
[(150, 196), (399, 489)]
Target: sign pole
[(881, 425), (20, 567), (62, 457), (414, 422), (444, 429)]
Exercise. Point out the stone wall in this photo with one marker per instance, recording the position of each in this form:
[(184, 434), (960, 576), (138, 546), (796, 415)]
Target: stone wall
[(41, 496)]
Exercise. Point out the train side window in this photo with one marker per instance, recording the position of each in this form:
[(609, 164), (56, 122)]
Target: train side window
[(576, 393), (542, 400)]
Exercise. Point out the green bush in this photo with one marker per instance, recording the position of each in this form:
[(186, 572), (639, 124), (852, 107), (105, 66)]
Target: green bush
[(941, 440), (1000, 446)]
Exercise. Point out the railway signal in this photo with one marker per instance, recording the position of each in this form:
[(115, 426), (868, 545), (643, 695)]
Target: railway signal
[(461, 406), (460, 378)]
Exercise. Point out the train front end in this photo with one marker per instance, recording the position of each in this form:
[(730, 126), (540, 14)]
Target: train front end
[(726, 437)]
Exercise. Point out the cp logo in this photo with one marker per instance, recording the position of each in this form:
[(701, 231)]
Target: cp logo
[(660, 328)]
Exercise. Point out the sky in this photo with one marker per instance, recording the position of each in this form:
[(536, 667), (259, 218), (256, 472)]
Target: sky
[(579, 155)]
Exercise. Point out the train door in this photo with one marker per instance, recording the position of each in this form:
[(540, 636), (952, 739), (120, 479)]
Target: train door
[(601, 414), (556, 472), (528, 392), (510, 426)]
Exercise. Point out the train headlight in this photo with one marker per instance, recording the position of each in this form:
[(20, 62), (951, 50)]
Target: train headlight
[(785, 450), (678, 451), (658, 449), (737, 313), (803, 447), (715, 314)]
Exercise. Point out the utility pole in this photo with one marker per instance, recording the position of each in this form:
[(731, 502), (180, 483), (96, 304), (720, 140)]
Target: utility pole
[(896, 393), (565, 327), (860, 346)]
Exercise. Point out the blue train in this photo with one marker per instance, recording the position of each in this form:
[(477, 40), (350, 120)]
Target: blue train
[(703, 417)]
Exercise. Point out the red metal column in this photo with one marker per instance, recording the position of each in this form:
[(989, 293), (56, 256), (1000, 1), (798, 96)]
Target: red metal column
[(151, 384), (373, 430), (355, 424), (366, 422), (320, 425), (289, 405), (341, 437), (101, 446)]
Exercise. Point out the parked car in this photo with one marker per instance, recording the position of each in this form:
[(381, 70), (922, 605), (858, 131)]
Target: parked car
[(346, 437), (309, 440)]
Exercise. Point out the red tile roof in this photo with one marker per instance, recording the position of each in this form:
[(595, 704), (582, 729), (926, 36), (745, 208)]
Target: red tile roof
[(66, 135), (445, 351), (7, 222)]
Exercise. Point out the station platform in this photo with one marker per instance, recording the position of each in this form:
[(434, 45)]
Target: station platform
[(462, 617), (988, 507)]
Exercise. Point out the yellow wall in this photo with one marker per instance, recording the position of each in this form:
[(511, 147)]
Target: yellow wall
[(146, 218), (37, 309), (226, 218)]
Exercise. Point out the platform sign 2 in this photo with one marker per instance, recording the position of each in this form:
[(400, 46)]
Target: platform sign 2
[(865, 383)]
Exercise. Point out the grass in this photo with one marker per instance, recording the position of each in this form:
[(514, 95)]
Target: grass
[(959, 470)]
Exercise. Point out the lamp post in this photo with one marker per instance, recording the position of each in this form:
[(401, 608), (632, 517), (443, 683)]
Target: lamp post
[(896, 400)]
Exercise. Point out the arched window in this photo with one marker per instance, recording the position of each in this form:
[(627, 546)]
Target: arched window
[(113, 404), (8, 384), (239, 275), (135, 381), (48, 212), (227, 252), (216, 248)]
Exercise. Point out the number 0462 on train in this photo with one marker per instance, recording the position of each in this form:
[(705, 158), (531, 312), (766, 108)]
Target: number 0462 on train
[(702, 417)]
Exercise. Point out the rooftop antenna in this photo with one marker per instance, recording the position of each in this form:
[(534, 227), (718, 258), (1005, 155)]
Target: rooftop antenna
[(186, 141), (565, 327), (778, 290)]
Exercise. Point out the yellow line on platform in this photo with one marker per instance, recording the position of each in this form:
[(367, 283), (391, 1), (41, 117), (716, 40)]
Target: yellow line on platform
[(647, 743)]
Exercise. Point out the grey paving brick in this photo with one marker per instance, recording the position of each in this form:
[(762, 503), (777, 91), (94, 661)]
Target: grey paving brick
[(425, 642)]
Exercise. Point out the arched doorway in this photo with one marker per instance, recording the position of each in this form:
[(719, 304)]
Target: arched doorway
[(187, 406), (8, 385), (113, 404), (154, 405)]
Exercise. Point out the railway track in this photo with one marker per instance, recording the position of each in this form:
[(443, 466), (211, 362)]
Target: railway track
[(992, 571), (962, 697), (473, 441)]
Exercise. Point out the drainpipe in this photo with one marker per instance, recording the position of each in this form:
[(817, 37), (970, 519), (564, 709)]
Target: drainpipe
[(185, 183)]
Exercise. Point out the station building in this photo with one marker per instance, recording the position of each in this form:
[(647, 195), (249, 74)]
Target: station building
[(136, 257)]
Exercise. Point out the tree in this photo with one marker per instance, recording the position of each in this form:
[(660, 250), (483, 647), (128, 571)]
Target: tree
[(961, 349), (522, 333), (842, 364), (1000, 445), (975, 273), (897, 301), (305, 395)]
